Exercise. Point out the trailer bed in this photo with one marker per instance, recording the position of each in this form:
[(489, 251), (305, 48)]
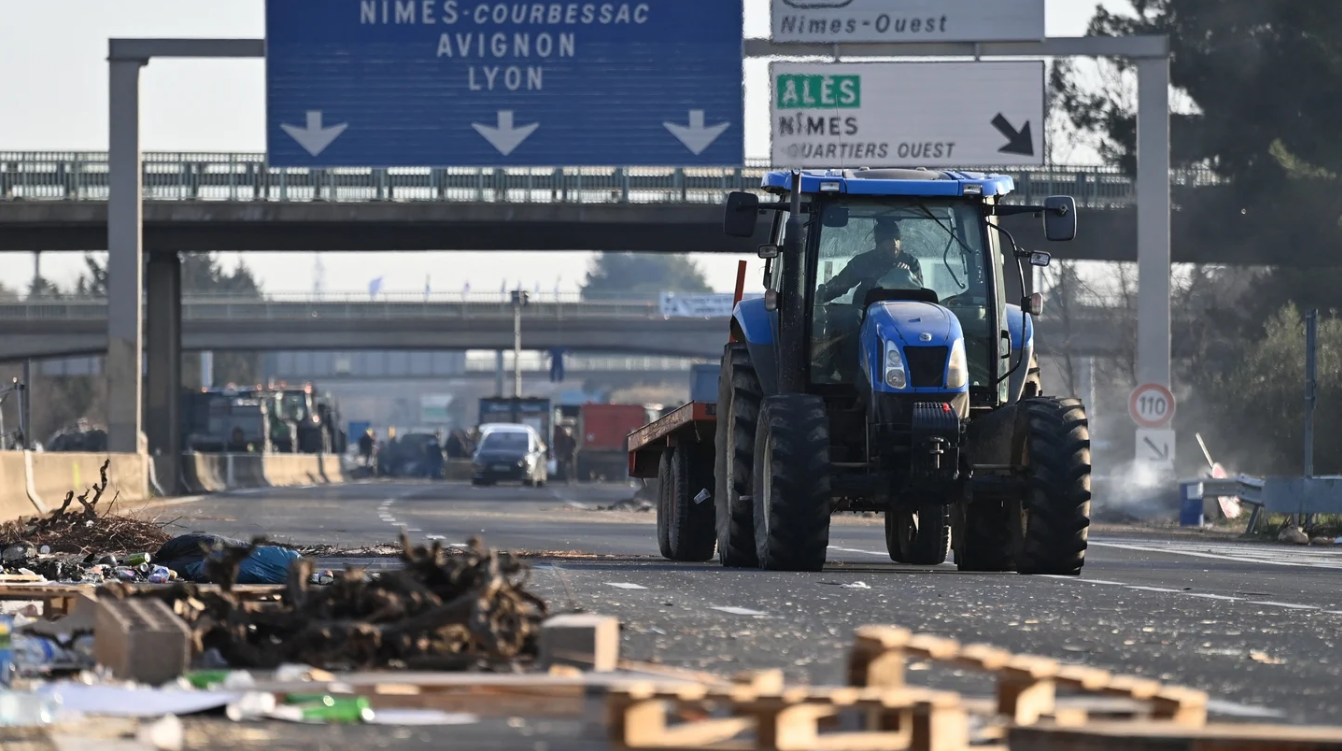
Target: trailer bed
[(695, 423)]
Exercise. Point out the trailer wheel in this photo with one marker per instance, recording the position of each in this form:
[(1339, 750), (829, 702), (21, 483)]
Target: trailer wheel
[(664, 503), (739, 396), (692, 526), (792, 484), (921, 537), (981, 537), (1054, 521)]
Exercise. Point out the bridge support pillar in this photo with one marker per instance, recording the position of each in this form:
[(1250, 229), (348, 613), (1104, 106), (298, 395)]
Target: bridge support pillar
[(164, 392), (124, 258)]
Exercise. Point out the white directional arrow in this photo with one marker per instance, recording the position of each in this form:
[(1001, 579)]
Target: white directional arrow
[(696, 137), (505, 137), (314, 138)]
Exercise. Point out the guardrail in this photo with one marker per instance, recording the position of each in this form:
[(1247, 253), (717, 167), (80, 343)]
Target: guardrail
[(82, 176)]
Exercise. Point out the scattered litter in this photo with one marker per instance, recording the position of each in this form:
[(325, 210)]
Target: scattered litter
[(857, 585), (1265, 658), (625, 585), (629, 504), (132, 701), (702, 496), (421, 717)]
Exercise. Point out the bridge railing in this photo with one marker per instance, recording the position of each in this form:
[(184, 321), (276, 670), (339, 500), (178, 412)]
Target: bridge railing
[(82, 176), (243, 309)]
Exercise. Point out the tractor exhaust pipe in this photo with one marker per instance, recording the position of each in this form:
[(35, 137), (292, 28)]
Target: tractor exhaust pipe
[(792, 356)]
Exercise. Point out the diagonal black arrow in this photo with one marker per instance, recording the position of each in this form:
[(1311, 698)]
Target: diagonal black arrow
[(1018, 142), (1163, 453)]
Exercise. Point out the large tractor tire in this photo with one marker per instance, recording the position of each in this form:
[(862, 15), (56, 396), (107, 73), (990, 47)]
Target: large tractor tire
[(663, 503), (982, 537), (921, 537), (792, 484), (690, 524), (739, 395), (1055, 522)]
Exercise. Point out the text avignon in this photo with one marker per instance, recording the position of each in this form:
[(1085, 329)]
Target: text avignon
[(498, 45)]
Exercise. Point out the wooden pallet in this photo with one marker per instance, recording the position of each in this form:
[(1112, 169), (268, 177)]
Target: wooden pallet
[(1026, 685), (667, 718)]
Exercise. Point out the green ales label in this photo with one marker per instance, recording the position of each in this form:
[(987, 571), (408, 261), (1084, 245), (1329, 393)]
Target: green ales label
[(810, 92)]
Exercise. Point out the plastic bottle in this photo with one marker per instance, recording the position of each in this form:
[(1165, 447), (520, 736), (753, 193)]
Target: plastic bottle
[(34, 656), (160, 575), (24, 708)]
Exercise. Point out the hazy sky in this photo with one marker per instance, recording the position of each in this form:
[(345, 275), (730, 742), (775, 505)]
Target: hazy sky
[(53, 97)]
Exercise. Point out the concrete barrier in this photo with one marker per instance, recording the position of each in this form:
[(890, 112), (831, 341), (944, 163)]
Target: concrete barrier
[(457, 469), (14, 501), (248, 471), (56, 473)]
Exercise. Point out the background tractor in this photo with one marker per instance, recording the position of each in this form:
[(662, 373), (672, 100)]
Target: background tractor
[(898, 380)]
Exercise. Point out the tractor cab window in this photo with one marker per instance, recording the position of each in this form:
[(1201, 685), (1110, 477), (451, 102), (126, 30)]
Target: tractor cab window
[(933, 245)]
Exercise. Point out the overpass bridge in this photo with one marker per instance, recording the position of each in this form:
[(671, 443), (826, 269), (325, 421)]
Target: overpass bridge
[(67, 328), (236, 202)]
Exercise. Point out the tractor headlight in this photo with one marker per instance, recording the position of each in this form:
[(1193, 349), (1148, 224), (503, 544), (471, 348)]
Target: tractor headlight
[(895, 375), (957, 369)]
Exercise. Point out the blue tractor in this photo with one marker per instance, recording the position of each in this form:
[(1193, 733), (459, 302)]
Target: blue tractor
[(884, 370)]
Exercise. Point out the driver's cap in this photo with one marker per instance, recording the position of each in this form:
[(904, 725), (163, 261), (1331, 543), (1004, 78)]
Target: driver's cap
[(887, 229)]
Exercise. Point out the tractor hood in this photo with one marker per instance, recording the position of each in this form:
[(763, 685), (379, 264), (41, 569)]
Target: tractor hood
[(915, 323)]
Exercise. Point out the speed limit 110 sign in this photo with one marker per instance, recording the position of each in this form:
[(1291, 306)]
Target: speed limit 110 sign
[(1151, 405)]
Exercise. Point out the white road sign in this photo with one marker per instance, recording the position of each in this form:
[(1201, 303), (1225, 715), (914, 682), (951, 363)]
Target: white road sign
[(849, 115), (1155, 448), (908, 20), (1151, 405)]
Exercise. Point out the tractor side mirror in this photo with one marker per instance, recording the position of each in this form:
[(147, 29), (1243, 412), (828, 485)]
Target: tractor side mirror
[(1060, 218), (768, 252), (741, 215), (1040, 258)]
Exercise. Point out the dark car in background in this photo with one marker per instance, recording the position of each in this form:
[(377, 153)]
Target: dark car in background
[(509, 454)]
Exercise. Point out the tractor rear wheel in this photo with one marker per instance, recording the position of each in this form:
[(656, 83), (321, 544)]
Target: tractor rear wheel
[(921, 537), (691, 526), (664, 503), (792, 484), (739, 395), (1055, 521)]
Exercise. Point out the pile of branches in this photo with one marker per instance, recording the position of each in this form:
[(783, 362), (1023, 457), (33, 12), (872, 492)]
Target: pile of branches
[(87, 529), (461, 610)]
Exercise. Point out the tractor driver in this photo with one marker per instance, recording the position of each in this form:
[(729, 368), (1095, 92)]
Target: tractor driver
[(866, 270)]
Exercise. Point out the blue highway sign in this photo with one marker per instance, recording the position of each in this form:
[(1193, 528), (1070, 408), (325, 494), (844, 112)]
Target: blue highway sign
[(482, 83)]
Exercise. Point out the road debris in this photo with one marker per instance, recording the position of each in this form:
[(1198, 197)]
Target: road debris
[(88, 530), (446, 609)]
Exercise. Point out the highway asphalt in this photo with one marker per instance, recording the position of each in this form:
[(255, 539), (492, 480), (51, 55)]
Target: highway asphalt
[(1256, 625)]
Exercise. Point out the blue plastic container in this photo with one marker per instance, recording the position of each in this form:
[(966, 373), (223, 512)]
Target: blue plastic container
[(1190, 506)]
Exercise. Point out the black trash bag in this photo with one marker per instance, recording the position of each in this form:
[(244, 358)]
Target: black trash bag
[(182, 551)]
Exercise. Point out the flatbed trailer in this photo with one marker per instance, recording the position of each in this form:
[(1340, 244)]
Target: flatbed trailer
[(677, 450)]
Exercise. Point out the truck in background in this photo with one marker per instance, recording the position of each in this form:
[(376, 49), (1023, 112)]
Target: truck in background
[(602, 433)]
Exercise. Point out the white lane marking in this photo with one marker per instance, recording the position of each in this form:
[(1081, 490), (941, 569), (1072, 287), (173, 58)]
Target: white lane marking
[(1238, 553), (1231, 709), (624, 585), (1284, 605), (1167, 590), (855, 550), (735, 610)]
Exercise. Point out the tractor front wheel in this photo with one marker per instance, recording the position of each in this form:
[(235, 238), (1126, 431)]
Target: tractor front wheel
[(1054, 521), (739, 395), (792, 483)]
